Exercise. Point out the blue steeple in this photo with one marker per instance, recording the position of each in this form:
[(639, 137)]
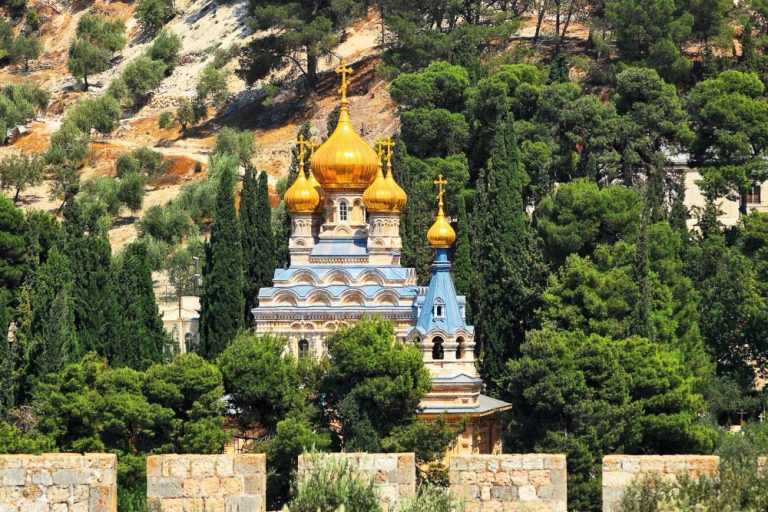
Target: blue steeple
[(442, 309)]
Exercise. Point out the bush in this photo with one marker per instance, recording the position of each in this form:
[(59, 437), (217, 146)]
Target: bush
[(69, 144), (152, 14), (130, 191), (102, 32), (236, 143), (86, 59), (101, 113), (167, 223), (165, 48), (143, 76), (32, 20), (24, 49), (331, 485), (432, 499), (144, 161), (166, 120), (212, 86)]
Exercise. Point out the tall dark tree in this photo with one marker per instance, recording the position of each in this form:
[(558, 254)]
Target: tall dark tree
[(12, 250), (222, 302), (508, 262), (463, 269), (258, 239), (140, 339)]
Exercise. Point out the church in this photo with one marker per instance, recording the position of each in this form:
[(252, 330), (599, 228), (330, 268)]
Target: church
[(345, 264)]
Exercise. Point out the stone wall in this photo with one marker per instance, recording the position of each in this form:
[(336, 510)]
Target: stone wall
[(619, 471), (491, 483), (209, 483), (59, 482), (393, 474)]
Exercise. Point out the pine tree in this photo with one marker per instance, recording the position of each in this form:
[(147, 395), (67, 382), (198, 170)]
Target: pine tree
[(6, 362), (222, 303), (139, 340), (258, 239), (463, 271), (509, 264)]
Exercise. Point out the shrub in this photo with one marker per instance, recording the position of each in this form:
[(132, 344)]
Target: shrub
[(86, 59), (130, 191), (32, 20), (141, 77), (430, 498), (24, 49), (152, 14), (144, 161), (212, 86), (166, 120), (17, 172), (236, 143), (101, 113), (188, 114), (165, 48), (333, 484), (69, 144), (167, 223), (102, 32)]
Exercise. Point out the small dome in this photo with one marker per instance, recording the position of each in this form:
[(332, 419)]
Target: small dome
[(400, 197), (344, 160), (441, 235), (302, 197), (316, 185), (379, 197)]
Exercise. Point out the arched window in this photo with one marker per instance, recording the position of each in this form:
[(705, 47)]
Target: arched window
[(438, 309), (303, 348), (460, 348), (437, 348), (343, 210)]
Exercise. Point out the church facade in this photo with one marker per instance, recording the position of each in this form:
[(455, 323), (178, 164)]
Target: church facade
[(345, 265)]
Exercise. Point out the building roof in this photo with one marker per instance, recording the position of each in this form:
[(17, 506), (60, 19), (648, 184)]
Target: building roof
[(484, 405), (441, 292)]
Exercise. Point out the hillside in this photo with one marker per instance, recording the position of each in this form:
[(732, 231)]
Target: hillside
[(203, 26)]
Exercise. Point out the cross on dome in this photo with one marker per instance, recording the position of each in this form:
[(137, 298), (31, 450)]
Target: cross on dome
[(389, 144), (440, 182), (343, 70)]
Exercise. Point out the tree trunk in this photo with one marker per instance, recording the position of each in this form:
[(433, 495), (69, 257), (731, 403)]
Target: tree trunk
[(85, 82), (539, 20), (565, 27), (16, 197), (312, 71)]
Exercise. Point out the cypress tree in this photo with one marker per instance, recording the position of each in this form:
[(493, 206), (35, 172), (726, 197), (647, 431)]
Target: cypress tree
[(462, 260), (258, 239), (6, 361), (282, 229), (508, 262), (222, 303), (12, 250), (140, 339)]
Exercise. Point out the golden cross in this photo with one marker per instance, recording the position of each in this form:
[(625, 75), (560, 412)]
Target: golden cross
[(440, 182), (389, 144), (302, 143), (343, 70), (313, 145), (379, 148)]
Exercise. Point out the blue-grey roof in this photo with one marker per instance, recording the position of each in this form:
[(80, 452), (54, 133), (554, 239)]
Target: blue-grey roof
[(461, 378), (441, 289), (484, 405), (340, 247)]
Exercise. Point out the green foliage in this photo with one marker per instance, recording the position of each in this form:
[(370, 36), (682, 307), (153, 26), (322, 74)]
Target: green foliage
[(430, 498), (168, 223), (18, 172), (24, 49), (18, 104), (69, 145), (143, 161), (258, 239), (139, 339), (330, 485), (434, 132), (591, 395), (301, 34), (441, 85), (263, 382), (170, 408), (102, 32), (166, 120), (578, 216), (141, 77), (13, 440), (374, 384), (236, 143), (222, 302), (165, 48), (729, 113), (11, 244), (153, 14), (101, 113), (212, 87), (86, 59), (179, 265)]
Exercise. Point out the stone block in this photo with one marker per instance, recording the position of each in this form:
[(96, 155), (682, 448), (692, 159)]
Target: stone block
[(154, 465), (163, 487), (201, 466), (250, 464), (103, 498), (65, 477), (41, 476), (10, 477)]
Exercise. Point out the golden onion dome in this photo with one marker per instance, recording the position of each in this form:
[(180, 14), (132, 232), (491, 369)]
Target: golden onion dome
[(379, 196), (400, 197), (344, 160), (316, 185), (441, 235), (302, 197)]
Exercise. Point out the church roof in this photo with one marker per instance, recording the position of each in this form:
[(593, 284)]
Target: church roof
[(441, 292), (484, 405)]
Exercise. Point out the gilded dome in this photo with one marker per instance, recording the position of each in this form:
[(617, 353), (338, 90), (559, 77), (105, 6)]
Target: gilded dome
[(344, 160), (441, 235), (379, 196), (316, 185), (400, 197), (302, 197)]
